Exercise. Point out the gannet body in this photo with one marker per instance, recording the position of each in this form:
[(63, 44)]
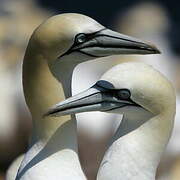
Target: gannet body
[(54, 49), (147, 101)]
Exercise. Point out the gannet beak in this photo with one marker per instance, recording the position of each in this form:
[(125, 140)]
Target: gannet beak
[(94, 99), (107, 42)]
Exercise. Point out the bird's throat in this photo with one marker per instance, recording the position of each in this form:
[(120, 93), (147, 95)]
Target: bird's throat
[(51, 136), (137, 154), (41, 91)]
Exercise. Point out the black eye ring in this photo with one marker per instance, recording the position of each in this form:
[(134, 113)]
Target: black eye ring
[(80, 38), (124, 94)]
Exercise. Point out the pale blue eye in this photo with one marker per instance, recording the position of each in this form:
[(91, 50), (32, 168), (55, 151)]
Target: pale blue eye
[(80, 38)]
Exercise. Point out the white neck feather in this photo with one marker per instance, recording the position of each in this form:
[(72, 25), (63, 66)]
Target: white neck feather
[(136, 155), (55, 157), (53, 152)]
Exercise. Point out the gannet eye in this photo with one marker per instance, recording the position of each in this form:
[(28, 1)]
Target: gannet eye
[(124, 94), (80, 38)]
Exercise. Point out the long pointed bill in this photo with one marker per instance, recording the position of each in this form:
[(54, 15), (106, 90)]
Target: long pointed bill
[(93, 99), (107, 42)]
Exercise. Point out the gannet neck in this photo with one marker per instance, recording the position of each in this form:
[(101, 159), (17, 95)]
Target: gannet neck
[(137, 154), (54, 140), (41, 90)]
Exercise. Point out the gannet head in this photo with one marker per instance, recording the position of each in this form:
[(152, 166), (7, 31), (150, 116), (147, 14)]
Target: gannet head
[(131, 88), (83, 38)]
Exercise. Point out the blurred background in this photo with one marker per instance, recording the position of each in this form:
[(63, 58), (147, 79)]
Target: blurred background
[(154, 21)]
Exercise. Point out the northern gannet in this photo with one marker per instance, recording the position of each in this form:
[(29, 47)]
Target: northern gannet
[(147, 101), (54, 49)]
